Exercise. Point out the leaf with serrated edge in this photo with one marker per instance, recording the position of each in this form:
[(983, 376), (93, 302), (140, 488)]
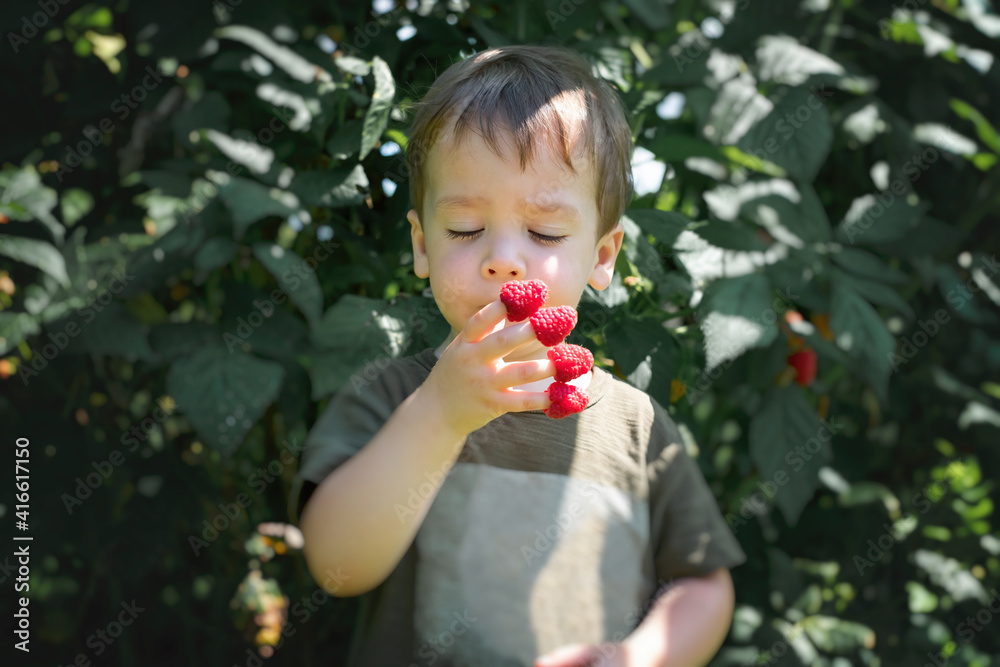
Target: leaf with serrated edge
[(786, 435), (223, 394)]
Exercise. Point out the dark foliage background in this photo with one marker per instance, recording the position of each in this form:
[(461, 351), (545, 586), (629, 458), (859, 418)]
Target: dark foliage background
[(203, 237)]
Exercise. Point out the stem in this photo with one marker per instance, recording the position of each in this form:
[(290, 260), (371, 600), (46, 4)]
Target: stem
[(832, 28)]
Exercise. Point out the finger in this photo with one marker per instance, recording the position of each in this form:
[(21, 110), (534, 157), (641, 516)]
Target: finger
[(516, 373), (513, 400), (503, 342), (484, 322), (574, 655)]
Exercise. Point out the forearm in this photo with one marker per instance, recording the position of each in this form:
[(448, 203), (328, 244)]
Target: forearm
[(687, 624), (363, 517)]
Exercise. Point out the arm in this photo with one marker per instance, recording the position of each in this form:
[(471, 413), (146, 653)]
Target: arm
[(685, 628), (687, 625), (351, 523), (362, 518)]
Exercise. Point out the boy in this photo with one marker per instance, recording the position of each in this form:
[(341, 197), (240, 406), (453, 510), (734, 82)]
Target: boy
[(479, 530)]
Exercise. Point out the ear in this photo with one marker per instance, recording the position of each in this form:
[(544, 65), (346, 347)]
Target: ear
[(420, 265), (606, 253)]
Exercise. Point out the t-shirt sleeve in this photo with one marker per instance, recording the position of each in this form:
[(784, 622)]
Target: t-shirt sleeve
[(689, 535), (351, 419)]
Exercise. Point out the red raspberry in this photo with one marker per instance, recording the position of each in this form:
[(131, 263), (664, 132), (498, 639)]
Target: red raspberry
[(566, 400), (571, 361), (552, 325), (523, 298), (804, 363)]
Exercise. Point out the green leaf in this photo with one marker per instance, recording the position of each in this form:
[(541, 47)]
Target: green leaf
[(76, 203), (258, 159), (736, 109), (646, 260), (169, 183), (952, 575), (863, 335), (833, 635), (984, 161), (352, 65), (867, 265), (292, 63), (37, 253), (24, 197), (216, 252), (987, 134), (878, 219), (656, 371), (736, 315), (811, 224), (281, 335), (782, 59), (249, 202), (679, 147), (783, 578), (146, 309), (332, 189), (865, 492), (223, 394), (760, 165), (862, 120), (921, 600), (15, 327), (960, 298), (605, 300), (731, 236), (796, 135), (877, 293), (377, 115), (564, 19), (943, 137), (357, 322), (424, 319), (210, 111), (346, 141), (631, 340), (173, 340), (664, 226), (655, 14), (789, 442), (356, 331), (684, 63), (791, 213), (796, 279), (296, 278), (330, 371), (115, 332)]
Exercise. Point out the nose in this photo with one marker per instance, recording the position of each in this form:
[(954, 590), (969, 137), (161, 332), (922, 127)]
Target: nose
[(503, 261)]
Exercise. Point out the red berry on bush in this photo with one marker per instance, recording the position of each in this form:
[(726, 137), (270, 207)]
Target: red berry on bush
[(804, 363)]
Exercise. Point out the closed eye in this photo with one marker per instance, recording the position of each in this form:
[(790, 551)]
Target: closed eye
[(551, 240)]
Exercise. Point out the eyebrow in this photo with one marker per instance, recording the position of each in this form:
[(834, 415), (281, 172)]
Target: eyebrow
[(459, 201), (451, 202)]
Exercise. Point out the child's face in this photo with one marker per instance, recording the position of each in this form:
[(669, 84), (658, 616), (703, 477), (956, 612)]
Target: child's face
[(507, 210)]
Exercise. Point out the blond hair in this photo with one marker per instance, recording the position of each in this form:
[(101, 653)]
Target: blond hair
[(534, 93)]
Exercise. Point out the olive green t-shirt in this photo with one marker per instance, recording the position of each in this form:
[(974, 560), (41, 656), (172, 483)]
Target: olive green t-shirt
[(545, 532)]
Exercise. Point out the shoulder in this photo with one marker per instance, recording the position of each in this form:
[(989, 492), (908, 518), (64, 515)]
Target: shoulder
[(631, 409), (385, 380)]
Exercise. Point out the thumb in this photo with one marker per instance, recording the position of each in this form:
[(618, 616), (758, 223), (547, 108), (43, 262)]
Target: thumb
[(572, 655)]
